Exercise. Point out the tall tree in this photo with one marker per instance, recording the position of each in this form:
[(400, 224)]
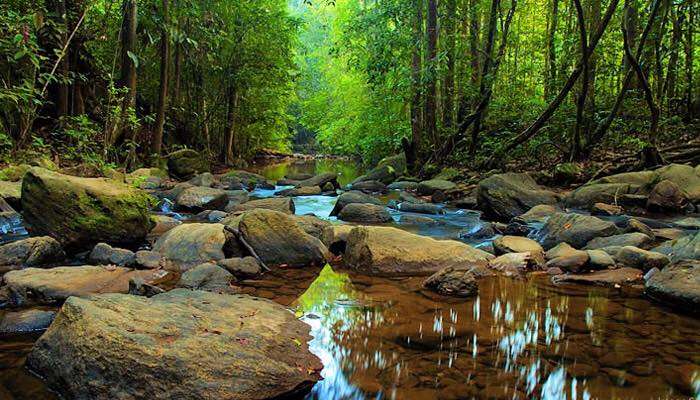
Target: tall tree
[(551, 64), (412, 148), (430, 113), (449, 82), (129, 59), (157, 143)]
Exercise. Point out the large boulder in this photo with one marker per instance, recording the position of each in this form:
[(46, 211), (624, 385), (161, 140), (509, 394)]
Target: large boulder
[(677, 285), (427, 188), (369, 187), (365, 213), (277, 239), (505, 196), (667, 196), (683, 248), (30, 252), (538, 214), (312, 224), (146, 178), (11, 192), (280, 204), (247, 179), (35, 286), (198, 198), (321, 181), (353, 197), (186, 163), (182, 344), (81, 212), (574, 229), (391, 251), (188, 245)]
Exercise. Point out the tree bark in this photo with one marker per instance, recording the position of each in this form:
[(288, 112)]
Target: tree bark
[(164, 80), (449, 83), (689, 50), (230, 133), (412, 148), (128, 66), (474, 41), (672, 68), (551, 64), (581, 102), (430, 113)]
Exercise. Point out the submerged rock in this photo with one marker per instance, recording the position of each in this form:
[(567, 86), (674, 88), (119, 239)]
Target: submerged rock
[(26, 321), (30, 252), (365, 213), (188, 245), (574, 229), (351, 198), (391, 251), (505, 196), (81, 212), (609, 278), (420, 208), (280, 204), (458, 282), (181, 344), (677, 285)]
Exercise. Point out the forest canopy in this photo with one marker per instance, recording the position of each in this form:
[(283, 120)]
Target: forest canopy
[(121, 82)]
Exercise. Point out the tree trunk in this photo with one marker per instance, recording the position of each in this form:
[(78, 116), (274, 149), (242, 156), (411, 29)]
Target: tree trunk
[(164, 80), (474, 41), (230, 133), (551, 64), (128, 67), (431, 72), (412, 149), (449, 83), (672, 68), (581, 102), (689, 50)]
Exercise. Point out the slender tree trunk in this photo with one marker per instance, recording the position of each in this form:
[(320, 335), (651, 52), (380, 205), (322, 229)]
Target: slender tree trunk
[(412, 149), (672, 68), (178, 74), (449, 83), (128, 66), (164, 80), (551, 64), (592, 62), (431, 72), (689, 50), (581, 102), (230, 133), (474, 41)]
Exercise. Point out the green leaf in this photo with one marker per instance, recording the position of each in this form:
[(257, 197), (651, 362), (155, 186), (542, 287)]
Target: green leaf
[(134, 58)]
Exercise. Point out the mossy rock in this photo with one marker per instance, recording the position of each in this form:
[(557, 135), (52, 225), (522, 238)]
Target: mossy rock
[(398, 162), (14, 173), (81, 212), (448, 174), (186, 163), (566, 173)]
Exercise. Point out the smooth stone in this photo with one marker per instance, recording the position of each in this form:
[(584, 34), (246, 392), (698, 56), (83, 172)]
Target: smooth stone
[(188, 245), (635, 239), (365, 213), (574, 229), (163, 223), (301, 191), (560, 250), (403, 185), (573, 262), (30, 252), (684, 248), (147, 259), (242, 268), (209, 277), (369, 187), (538, 214), (104, 254), (420, 208), (427, 188), (677, 285), (335, 237), (351, 198), (634, 257), (505, 196), (25, 322), (606, 209), (198, 198), (598, 259), (205, 179)]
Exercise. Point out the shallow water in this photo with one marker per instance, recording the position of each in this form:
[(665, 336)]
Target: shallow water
[(384, 338)]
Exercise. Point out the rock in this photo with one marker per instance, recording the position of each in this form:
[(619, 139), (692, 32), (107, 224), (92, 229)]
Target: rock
[(606, 193), (403, 185), (11, 192), (483, 230), (312, 225), (634, 257), (427, 188), (677, 285), (209, 277), (241, 177), (298, 176), (383, 173), (205, 179), (236, 197), (504, 196), (538, 214), (684, 248), (163, 223), (397, 162), (391, 251), (567, 173), (365, 213), (635, 239), (181, 344), (668, 234), (211, 216), (684, 378), (30, 252), (405, 197), (572, 262), (242, 268), (608, 278), (81, 212), (351, 198), (321, 180), (14, 173), (139, 287), (688, 223), (451, 281), (369, 187), (300, 191), (513, 264), (198, 198), (189, 245), (146, 178), (516, 244), (464, 203), (606, 209), (420, 208), (666, 196), (185, 163), (25, 322), (448, 174), (598, 259), (278, 240), (409, 219), (104, 254), (146, 259), (280, 204), (171, 194), (335, 237), (574, 229), (33, 286), (560, 250), (634, 225)]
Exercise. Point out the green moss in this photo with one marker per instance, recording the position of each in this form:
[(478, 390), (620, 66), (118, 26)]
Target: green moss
[(14, 173)]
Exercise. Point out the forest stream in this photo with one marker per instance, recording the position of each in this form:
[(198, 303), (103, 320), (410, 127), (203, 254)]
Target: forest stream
[(521, 337)]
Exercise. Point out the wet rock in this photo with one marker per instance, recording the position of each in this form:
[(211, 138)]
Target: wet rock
[(245, 178), (188, 245), (420, 208), (634, 257), (172, 193), (185, 163), (406, 197), (11, 192), (560, 250), (572, 262), (365, 213), (451, 281), (567, 173), (688, 223), (606, 209), (233, 347), (211, 216), (514, 264), (391, 251), (205, 179), (683, 378), (635, 239), (481, 231), (537, 214), (81, 212), (517, 244), (30, 252), (280, 204), (505, 196), (684, 248), (465, 203), (312, 225), (428, 188), (298, 176), (163, 223), (209, 277), (104, 254), (409, 219), (321, 180), (335, 237), (236, 197), (146, 259), (574, 229), (147, 178), (242, 268), (33, 286), (666, 196), (635, 225), (382, 173), (598, 259), (198, 198), (300, 191), (352, 198), (677, 285), (278, 240), (369, 187), (139, 287), (608, 278), (26, 321), (403, 185)]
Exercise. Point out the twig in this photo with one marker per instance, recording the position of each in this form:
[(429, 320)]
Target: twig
[(245, 244)]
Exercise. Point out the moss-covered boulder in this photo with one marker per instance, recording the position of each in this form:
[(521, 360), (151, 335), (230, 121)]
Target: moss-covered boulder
[(11, 192), (186, 163), (81, 212), (146, 178), (505, 196), (566, 173), (14, 173)]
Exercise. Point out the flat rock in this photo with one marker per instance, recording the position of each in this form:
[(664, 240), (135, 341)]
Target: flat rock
[(684, 248), (574, 261), (598, 259), (634, 257), (427, 188), (677, 285), (209, 277), (635, 239), (369, 187), (608, 278), (300, 191), (538, 214), (391, 251), (365, 213), (104, 254), (280, 204), (560, 250), (403, 185), (574, 229), (182, 344), (242, 268), (420, 208)]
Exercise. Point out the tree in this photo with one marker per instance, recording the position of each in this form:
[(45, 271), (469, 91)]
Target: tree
[(164, 80)]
